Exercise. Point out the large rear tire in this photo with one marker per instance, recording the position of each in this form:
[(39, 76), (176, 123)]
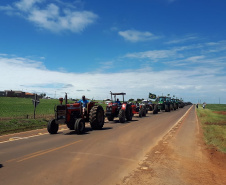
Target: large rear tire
[(174, 106), (166, 108), (52, 127), (144, 111), (155, 111), (129, 113), (122, 116), (140, 112), (79, 126), (96, 117)]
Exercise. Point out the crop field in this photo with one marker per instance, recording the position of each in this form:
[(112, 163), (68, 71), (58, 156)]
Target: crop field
[(21, 107), (216, 107), (213, 120)]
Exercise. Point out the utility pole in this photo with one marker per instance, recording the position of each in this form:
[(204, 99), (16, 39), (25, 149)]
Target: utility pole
[(35, 103)]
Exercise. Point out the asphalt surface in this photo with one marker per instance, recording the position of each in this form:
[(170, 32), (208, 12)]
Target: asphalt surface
[(96, 157)]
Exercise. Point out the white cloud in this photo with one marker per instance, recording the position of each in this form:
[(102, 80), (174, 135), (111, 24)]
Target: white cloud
[(154, 54), (26, 5), (195, 58), (183, 40), (190, 84), (137, 36), (51, 16), (106, 65), (215, 47), (6, 8)]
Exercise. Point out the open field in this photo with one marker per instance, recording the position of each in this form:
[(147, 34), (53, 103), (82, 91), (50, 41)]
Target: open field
[(16, 114), (213, 120), (216, 107), (21, 107)]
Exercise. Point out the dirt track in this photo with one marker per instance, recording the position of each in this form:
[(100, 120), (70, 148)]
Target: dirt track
[(181, 158)]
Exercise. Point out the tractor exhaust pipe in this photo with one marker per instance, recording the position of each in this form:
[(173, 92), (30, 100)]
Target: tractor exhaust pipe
[(65, 98)]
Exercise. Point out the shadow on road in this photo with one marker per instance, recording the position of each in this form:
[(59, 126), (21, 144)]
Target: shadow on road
[(1, 165), (87, 130), (117, 121)]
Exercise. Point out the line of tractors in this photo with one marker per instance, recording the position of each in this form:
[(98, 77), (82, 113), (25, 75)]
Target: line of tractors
[(73, 116)]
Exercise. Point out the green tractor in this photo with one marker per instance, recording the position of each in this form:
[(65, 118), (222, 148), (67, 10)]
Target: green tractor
[(180, 103), (163, 103), (175, 103), (168, 99)]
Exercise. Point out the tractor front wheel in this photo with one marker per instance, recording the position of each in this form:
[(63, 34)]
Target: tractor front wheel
[(79, 126), (52, 127)]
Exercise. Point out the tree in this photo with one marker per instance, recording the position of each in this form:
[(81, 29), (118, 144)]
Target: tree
[(43, 95)]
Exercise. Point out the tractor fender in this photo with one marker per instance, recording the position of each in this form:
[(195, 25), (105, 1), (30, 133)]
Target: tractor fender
[(123, 106)]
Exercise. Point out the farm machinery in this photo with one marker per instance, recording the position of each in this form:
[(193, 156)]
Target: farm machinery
[(148, 104), (163, 103), (180, 103), (139, 109), (175, 103), (117, 109), (74, 117)]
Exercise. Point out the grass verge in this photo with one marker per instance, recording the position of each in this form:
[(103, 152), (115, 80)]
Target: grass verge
[(214, 125), (20, 125)]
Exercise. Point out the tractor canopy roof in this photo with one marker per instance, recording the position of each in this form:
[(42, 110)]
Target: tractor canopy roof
[(114, 94), (118, 93)]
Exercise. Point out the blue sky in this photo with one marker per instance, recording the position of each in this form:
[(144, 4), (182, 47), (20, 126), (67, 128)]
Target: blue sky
[(175, 47)]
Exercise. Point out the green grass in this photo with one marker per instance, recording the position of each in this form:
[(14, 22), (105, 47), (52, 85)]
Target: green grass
[(13, 112), (21, 107), (216, 107), (214, 125), (19, 125)]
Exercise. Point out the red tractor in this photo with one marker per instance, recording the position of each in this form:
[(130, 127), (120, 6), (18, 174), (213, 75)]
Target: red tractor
[(122, 111), (73, 116), (139, 109)]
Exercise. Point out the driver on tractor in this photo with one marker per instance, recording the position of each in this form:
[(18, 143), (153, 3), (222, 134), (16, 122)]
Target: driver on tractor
[(84, 102), (118, 102)]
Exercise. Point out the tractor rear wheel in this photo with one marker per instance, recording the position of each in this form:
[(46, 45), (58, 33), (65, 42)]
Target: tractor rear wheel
[(166, 108), (174, 106), (96, 117), (52, 127), (122, 116), (155, 111), (79, 126), (144, 111), (129, 113), (140, 112)]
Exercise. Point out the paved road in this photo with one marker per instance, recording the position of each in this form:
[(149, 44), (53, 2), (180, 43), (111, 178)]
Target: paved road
[(96, 157)]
